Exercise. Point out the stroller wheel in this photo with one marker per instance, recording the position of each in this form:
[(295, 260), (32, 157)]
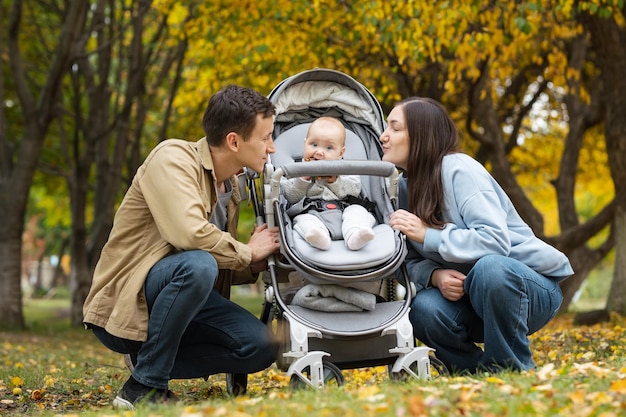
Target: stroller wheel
[(332, 377), (437, 368)]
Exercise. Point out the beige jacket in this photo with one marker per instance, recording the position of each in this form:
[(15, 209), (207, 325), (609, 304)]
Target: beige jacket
[(165, 210)]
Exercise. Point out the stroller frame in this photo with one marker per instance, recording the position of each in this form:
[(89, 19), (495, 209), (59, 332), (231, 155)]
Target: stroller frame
[(315, 345)]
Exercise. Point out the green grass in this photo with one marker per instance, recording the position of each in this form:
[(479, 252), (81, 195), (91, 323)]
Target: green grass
[(582, 372), (47, 315), (62, 371), (250, 298)]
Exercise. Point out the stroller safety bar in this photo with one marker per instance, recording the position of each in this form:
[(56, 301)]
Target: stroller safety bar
[(335, 167)]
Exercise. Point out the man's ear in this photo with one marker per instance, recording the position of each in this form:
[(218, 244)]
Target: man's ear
[(232, 141)]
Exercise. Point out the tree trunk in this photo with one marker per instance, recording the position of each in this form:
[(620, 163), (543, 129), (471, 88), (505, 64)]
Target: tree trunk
[(582, 116), (609, 38), (17, 174), (617, 294), (80, 274), (110, 131), (11, 314), (60, 277), (583, 261)]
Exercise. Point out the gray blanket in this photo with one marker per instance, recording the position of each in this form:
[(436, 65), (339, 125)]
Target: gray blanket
[(333, 298)]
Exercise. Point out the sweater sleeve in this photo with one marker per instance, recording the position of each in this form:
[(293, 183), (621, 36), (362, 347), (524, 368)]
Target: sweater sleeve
[(294, 189), (419, 269), (477, 224)]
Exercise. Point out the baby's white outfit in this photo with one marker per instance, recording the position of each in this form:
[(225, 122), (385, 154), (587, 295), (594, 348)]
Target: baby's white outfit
[(357, 222)]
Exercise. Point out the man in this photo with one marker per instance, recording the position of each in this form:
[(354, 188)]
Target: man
[(172, 250)]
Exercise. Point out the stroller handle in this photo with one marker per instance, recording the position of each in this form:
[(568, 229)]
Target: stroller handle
[(335, 167)]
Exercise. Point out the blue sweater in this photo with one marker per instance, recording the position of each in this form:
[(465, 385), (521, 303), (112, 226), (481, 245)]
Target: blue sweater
[(480, 220)]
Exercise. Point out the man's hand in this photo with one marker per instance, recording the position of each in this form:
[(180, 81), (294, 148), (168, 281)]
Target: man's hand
[(449, 282), (263, 242)]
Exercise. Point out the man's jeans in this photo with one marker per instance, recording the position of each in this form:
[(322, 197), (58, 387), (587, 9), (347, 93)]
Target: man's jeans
[(504, 302), (193, 331)]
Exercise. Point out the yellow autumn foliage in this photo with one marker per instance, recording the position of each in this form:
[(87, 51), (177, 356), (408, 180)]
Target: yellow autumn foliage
[(395, 48)]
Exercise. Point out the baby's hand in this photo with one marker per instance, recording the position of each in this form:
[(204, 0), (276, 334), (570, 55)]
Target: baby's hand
[(328, 179)]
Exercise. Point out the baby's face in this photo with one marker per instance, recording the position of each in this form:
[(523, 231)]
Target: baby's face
[(324, 144)]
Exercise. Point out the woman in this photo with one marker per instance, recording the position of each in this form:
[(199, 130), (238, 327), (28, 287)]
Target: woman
[(480, 273)]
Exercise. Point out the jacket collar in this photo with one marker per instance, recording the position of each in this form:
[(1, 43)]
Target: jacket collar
[(205, 156), (207, 163)]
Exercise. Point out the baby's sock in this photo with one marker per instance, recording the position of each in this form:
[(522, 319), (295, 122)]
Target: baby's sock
[(318, 238), (357, 237)]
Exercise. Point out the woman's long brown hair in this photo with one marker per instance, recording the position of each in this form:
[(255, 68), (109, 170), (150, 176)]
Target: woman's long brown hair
[(432, 135)]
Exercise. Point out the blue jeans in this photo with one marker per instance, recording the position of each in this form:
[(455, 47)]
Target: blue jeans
[(504, 302), (192, 330)]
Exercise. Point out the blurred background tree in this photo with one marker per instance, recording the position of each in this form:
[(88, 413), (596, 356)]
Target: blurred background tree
[(37, 50), (88, 91)]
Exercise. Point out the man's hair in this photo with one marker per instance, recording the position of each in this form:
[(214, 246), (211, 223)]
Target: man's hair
[(234, 109)]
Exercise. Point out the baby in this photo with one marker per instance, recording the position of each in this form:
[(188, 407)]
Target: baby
[(326, 139)]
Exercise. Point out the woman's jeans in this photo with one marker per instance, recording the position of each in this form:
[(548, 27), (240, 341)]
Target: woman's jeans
[(504, 302), (192, 330)]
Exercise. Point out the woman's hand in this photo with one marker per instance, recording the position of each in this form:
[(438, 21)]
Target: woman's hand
[(449, 282), (408, 223)]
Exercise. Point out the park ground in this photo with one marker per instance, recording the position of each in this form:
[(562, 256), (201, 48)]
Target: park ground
[(54, 370)]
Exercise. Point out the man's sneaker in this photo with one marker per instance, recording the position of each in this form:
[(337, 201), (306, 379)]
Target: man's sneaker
[(133, 393)]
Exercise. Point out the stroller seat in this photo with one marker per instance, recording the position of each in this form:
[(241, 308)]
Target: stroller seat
[(376, 260), (338, 259)]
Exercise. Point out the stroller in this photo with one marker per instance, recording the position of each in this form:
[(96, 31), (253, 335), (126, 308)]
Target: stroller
[(317, 342)]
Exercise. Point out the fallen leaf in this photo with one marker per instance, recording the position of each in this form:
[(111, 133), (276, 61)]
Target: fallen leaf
[(546, 371), (618, 386), (36, 395), (417, 407), (494, 380)]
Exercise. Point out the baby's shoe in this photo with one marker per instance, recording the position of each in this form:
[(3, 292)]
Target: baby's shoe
[(318, 238), (357, 237)]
